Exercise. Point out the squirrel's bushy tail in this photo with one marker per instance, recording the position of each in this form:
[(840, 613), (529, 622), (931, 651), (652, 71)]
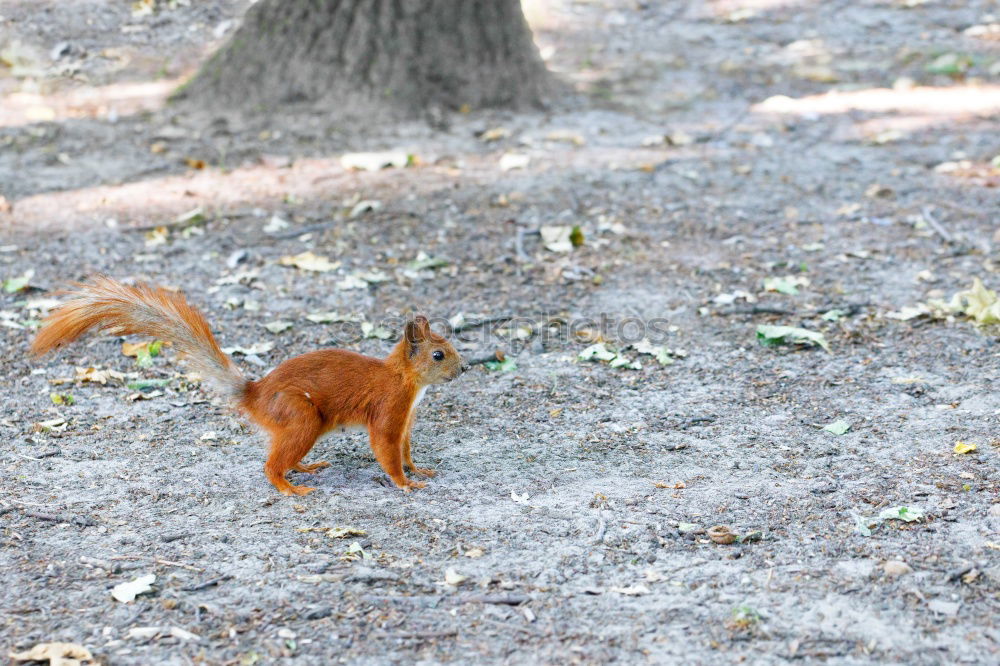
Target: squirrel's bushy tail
[(121, 309)]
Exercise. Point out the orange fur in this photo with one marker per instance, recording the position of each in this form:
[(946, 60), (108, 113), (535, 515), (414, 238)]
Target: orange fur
[(299, 401)]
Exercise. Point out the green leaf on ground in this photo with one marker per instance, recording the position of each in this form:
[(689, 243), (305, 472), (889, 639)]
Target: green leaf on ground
[(978, 303), (906, 513), (787, 284), (770, 336), (862, 526), (16, 284), (370, 330), (506, 365), (838, 427), (950, 64), (834, 315), (597, 352), (61, 398), (278, 326), (147, 384), (424, 262)]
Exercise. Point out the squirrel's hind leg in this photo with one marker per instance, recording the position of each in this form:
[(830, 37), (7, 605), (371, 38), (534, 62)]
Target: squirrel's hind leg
[(288, 447)]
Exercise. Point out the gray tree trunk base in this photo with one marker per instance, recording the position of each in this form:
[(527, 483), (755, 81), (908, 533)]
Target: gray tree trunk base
[(366, 59)]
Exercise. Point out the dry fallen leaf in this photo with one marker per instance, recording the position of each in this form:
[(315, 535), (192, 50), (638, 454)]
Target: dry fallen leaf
[(568, 136), (332, 317), (157, 236), (127, 592), (183, 634), (475, 552), (675, 486), (453, 578), (511, 161), (138, 348), (56, 424), (352, 282), (721, 534), (494, 134), (278, 326), (275, 224), (256, 348), (654, 576), (375, 161), (308, 261), (557, 238), (97, 376), (364, 206), (56, 654), (978, 302), (964, 447)]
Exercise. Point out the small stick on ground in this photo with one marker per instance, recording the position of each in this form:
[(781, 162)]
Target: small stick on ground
[(96, 562), (497, 356), (307, 229), (935, 225), (168, 563), (480, 322), (82, 521), (601, 527), (755, 309), (509, 627), (177, 224), (212, 582), (421, 635), (522, 256), (498, 599)]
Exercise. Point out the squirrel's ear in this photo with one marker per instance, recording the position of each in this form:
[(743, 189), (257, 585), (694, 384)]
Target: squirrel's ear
[(423, 325), (416, 329)]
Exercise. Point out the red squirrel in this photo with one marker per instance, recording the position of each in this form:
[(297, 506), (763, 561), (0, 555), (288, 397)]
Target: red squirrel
[(300, 400)]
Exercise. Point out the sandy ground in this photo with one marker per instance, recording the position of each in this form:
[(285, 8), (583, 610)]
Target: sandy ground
[(847, 143)]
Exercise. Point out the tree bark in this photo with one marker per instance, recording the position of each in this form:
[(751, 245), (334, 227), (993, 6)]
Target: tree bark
[(384, 57)]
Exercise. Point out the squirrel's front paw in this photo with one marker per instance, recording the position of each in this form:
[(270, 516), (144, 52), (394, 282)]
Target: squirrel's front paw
[(424, 471)]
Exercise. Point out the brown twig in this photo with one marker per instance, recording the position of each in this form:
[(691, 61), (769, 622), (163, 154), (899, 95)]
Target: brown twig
[(212, 582), (480, 322), (935, 225), (522, 256), (82, 521), (421, 635), (177, 224), (169, 563), (755, 309), (850, 309), (497, 599), (309, 228), (509, 627), (497, 356)]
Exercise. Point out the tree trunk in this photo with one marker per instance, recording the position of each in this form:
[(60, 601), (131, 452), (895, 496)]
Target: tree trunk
[(383, 57)]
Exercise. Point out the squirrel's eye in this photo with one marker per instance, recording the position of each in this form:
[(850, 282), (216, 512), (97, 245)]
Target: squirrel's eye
[(438, 355)]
